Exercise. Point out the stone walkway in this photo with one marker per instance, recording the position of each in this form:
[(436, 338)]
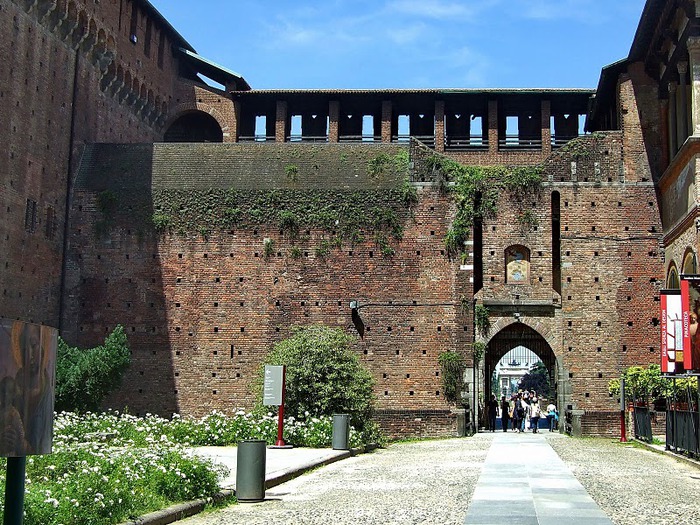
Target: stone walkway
[(524, 482)]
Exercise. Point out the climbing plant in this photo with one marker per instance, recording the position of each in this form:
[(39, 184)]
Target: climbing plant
[(477, 190), (452, 367), (481, 319)]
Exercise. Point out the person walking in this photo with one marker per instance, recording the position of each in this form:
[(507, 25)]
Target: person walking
[(505, 409), (535, 414), (552, 417), (493, 412)]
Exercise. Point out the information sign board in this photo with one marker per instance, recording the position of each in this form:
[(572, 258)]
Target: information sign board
[(273, 385)]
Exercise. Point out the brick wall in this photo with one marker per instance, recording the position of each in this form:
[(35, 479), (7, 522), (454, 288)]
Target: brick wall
[(201, 313), (73, 76)]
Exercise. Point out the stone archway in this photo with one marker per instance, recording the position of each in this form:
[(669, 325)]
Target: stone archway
[(194, 126), (510, 336)]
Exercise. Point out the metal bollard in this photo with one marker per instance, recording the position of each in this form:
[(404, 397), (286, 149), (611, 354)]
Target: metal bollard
[(341, 431), (250, 470)]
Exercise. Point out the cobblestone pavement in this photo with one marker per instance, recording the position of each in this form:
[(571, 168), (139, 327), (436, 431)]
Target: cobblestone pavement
[(634, 486), (408, 483), (432, 482)]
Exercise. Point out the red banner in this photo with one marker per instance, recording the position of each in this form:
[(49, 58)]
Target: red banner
[(690, 294), (672, 340)]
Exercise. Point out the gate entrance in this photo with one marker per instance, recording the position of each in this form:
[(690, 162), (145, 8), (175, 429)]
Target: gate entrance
[(511, 337)]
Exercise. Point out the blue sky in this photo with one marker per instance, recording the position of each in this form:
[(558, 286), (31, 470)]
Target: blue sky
[(377, 44)]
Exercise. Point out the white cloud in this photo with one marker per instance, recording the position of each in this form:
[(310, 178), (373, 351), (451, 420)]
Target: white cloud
[(584, 11), (438, 9), (407, 34)]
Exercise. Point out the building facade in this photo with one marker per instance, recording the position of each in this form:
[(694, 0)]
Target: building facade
[(211, 221)]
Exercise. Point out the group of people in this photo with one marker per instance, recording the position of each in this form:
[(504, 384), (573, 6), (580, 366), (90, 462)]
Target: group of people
[(522, 411)]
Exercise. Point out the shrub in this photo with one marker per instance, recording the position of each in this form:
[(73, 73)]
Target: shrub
[(323, 375), (85, 377)]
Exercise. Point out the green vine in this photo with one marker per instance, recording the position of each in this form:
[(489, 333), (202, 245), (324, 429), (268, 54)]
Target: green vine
[(268, 248), (481, 319), (452, 367), (478, 349), (384, 163), (528, 219), (292, 172), (477, 189)]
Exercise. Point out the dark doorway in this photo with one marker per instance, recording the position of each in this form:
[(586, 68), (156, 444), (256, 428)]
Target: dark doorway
[(194, 127)]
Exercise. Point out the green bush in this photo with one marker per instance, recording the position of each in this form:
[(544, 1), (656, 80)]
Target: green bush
[(323, 375), (85, 377)]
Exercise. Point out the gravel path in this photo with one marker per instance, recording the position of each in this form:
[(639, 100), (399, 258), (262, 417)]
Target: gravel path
[(428, 482), (432, 482), (634, 486)]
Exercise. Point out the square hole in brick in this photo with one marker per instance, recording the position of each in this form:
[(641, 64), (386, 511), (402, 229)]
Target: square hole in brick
[(386, 392), (218, 280), (371, 254), (432, 232), (571, 375), (439, 328), (364, 352), (213, 392), (216, 304), (216, 329), (410, 392), (587, 394), (599, 349), (600, 375), (425, 352), (397, 352), (411, 328), (408, 376)]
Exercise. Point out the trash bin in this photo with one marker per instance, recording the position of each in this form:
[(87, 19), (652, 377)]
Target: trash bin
[(250, 470), (341, 431)]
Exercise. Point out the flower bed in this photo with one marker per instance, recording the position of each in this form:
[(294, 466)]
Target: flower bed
[(107, 468)]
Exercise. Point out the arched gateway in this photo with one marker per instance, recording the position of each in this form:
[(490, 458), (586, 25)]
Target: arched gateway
[(506, 337)]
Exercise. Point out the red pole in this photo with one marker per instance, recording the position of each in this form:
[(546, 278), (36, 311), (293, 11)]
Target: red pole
[(280, 413), (623, 429)]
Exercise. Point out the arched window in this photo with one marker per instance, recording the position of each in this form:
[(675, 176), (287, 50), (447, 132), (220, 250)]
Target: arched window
[(690, 263), (672, 280), (517, 264)]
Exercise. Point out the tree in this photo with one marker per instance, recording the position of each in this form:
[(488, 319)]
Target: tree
[(537, 379), (323, 376), (84, 377)]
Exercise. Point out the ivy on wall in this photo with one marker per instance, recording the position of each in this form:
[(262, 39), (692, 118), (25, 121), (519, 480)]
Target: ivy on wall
[(477, 190), (346, 216)]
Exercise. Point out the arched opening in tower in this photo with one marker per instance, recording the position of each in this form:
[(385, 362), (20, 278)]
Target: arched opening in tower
[(194, 127)]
